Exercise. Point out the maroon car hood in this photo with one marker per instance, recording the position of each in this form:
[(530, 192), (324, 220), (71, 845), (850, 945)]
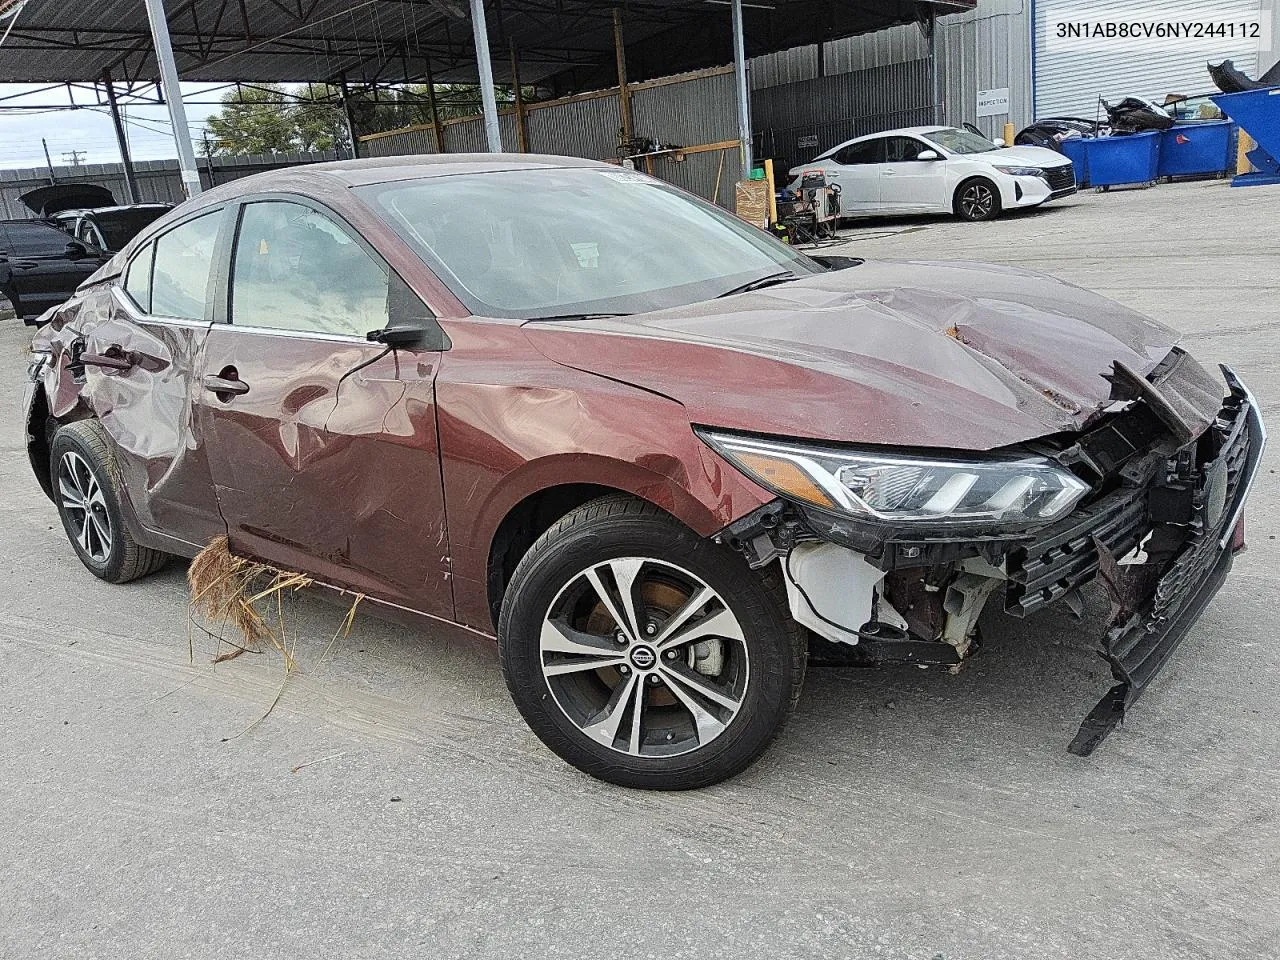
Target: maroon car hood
[(953, 355)]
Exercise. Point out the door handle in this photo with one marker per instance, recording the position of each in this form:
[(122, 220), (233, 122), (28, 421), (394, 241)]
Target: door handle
[(888, 173), (106, 361), (225, 388)]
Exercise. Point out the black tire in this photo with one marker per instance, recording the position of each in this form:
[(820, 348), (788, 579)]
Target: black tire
[(977, 199), (81, 458), (772, 646), (11, 295)]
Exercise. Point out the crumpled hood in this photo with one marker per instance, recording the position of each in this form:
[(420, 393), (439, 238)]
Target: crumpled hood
[(950, 355)]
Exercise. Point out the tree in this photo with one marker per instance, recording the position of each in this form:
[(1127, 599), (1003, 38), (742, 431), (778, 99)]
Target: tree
[(273, 118), (254, 120)]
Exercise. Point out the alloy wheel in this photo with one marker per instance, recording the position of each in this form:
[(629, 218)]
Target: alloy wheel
[(977, 201), (644, 657), (85, 505)]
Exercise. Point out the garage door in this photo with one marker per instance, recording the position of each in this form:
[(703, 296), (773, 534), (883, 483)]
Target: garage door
[(1069, 78)]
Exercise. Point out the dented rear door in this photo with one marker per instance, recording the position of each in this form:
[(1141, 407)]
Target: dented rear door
[(138, 341), (322, 445)]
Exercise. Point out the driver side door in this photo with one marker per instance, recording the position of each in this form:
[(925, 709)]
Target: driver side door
[(909, 185)]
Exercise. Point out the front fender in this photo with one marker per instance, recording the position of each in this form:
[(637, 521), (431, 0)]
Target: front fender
[(514, 425)]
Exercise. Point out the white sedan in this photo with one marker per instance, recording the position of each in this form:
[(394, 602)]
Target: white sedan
[(940, 170)]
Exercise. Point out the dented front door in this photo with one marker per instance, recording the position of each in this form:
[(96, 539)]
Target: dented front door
[(322, 445)]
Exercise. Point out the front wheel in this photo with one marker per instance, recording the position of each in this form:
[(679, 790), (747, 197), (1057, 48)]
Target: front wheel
[(977, 200), (644, 655)]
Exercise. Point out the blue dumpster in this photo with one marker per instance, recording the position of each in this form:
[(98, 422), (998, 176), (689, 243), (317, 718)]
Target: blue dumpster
[(1074, 150), (1258, 114), (1110, 161), (1198, 148), (1117, 160)]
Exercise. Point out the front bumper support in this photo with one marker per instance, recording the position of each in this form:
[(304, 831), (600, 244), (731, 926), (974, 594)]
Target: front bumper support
[(1139, 643)]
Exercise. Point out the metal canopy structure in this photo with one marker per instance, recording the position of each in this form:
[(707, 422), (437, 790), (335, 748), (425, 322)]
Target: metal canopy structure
[(559, 44), (568, 44)]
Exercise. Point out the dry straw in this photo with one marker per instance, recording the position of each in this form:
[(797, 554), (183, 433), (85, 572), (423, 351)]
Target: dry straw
[(248, 597)]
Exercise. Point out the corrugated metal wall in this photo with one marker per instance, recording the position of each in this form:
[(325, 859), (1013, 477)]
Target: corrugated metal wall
[(688, 110), (158, 180), (410, 140), (880, 49), (984, 49), (576, 128), (797, 121)]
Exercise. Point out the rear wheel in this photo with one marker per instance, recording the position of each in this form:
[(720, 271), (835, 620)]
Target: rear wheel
[(8, 293), (88, 499), (643, 654), (977, 199)]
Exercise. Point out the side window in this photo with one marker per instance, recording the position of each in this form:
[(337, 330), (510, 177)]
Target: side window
[(296, 269), (137, 282), (902, 149), (88, 233), (36, 240), (858, 153), (183, 259)]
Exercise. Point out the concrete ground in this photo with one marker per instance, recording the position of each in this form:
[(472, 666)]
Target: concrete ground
[(394, 805)]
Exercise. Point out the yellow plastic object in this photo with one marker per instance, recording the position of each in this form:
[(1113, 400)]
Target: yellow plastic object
[(784, 477)]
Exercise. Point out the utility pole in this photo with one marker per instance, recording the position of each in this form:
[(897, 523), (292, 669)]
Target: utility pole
[(72, 156), (47, 162), (122, 139), (208, 158)]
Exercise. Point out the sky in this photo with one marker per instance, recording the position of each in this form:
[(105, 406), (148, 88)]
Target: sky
[(90, 130)]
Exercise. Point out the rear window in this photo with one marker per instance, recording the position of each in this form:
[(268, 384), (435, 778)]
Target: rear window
[(34, 240), (137, 281), (180, 279), (869, 151), (118, 227)]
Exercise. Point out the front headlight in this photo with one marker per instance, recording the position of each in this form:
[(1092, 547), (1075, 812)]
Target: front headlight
[(1005, 491), (1021, 171), (35, 367)]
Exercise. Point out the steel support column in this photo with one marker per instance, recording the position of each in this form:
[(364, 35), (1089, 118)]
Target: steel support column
[(348, 116), (126, 160), (492, 132), (173, 97), (744, 93)]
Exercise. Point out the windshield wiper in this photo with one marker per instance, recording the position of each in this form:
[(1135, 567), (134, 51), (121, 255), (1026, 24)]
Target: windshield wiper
[(771, 280), (577, 316)]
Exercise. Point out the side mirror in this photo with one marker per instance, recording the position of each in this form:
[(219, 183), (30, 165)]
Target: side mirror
[(928, 155), (75, 250), (408, 334), (999, 142)]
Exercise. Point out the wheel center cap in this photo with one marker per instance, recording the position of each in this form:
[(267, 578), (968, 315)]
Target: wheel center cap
[(643, 657)]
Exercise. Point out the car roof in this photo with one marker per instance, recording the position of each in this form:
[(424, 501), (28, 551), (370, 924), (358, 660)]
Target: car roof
[(120, 208), (415, 167), (899, 132)]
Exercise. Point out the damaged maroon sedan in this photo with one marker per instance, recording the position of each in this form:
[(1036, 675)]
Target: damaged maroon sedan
[(653, 450)]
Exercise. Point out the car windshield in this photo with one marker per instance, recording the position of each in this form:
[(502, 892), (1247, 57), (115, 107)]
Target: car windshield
[(118, 227), (960, 141), (577, 241)]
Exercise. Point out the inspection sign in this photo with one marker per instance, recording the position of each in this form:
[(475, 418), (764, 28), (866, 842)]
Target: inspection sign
[(993, 103)]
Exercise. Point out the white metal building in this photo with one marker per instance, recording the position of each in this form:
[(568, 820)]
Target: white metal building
[(1069, 77)]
